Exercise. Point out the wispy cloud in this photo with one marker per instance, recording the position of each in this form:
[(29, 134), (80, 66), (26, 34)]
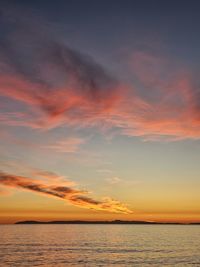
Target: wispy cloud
[(63, 191), (113, 180), (61, 86), (104, 171), (51, 177), (47, 75), (69, 145), (119, 181)]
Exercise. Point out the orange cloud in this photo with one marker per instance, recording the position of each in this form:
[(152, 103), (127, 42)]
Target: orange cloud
[(63, 191)]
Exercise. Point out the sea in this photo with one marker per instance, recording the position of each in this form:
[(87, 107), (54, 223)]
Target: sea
[(99, 245)]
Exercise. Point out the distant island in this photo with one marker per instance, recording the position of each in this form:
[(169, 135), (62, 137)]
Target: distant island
[(105, 222)]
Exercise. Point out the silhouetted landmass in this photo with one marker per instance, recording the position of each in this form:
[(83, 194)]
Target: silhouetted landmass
[(104, 222)]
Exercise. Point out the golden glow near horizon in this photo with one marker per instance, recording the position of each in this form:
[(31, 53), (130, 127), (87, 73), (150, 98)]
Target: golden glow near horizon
[(96, 127)]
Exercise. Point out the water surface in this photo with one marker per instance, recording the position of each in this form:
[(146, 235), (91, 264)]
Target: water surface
[(99, 245)]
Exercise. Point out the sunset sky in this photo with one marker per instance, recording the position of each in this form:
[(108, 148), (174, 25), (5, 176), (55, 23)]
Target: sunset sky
[(99, 110)]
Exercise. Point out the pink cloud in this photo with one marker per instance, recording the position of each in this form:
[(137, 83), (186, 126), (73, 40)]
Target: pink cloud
[(175, 115), (51, 108), (68, 145), (60, 86)]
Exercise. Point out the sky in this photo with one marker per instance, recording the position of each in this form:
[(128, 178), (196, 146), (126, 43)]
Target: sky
[(99, 110)]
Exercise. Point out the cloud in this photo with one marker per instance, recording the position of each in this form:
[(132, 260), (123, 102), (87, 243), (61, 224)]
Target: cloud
[(113, 180), (104, 171), (46, 174), (60, 84), (69, 145), (61, 190), (57, 85), (171, 96), (51, 178)]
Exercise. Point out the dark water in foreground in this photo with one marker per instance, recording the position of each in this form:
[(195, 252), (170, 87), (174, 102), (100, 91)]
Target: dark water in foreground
[(99, 245)]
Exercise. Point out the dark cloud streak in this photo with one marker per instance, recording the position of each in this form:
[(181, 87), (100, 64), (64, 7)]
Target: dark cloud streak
[(74, 196)]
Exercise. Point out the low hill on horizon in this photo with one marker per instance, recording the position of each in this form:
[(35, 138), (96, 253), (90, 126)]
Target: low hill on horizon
[(103, 222)]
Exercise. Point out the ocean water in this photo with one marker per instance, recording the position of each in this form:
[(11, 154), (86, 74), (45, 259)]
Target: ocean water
[(99, 245)]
